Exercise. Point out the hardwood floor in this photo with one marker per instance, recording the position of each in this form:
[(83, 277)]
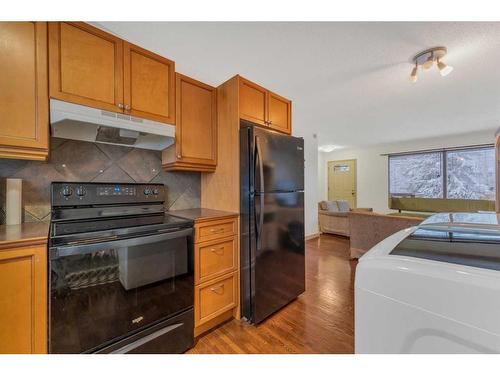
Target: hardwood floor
[(319, 321)]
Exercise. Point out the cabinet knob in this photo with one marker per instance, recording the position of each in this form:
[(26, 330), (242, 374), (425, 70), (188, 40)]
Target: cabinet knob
[(178, 156), (120, 105), (127, 107)]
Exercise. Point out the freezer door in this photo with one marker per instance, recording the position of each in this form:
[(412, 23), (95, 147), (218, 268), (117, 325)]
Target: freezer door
[(279, 162), (279, 256)]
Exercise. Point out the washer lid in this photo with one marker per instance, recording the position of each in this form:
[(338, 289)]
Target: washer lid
[(463, 238)]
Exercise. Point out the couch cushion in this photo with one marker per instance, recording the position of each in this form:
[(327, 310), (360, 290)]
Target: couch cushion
[(343, 206), (332, 206)]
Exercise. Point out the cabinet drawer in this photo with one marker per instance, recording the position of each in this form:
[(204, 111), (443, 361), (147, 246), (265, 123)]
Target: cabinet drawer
[(215, 298), (215, 258), (212, 230)]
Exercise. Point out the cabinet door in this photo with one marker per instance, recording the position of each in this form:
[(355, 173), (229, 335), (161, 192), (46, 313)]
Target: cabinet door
[(23, 300), (196, 128), (85, 65), (149, 85), (253, 102), (280, 110), (23, 90)]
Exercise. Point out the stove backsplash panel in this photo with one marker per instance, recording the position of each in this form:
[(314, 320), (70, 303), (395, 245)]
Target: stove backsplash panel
[(88, 162)]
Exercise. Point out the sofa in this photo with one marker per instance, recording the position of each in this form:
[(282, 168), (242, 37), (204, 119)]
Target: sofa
[(367, 229), (333, 216)]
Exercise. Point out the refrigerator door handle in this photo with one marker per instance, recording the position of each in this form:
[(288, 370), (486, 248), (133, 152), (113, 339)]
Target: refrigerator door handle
[(260, 221), (258, 159)]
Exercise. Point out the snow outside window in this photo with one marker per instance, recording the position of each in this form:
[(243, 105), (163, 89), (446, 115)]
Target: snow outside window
[(471, 174), (454, 174), (416, 175)]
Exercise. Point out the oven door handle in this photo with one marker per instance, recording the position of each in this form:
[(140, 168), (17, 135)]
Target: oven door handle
[(88, 248)]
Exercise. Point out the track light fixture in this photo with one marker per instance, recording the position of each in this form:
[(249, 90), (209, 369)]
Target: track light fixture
[(426, 60), (414, 74)]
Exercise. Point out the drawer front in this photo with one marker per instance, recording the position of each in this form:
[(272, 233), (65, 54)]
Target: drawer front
[(215, 258), (212, 230), (215, 298)]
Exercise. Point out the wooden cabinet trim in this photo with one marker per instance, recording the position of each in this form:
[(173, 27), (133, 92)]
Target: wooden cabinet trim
[(55, 71), (127, 86), (36, 148)]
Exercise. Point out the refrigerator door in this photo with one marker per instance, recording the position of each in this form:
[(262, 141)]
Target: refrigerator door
[(278, 161), (279, 259)]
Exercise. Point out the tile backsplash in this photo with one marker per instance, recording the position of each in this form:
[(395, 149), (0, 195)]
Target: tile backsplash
[(93, 162)]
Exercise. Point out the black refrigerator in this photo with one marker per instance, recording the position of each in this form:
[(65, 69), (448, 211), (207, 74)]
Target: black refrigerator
[(272, 221)]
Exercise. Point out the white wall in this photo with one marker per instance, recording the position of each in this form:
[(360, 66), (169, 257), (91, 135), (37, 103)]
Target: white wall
[(311, 181), (372, 168)]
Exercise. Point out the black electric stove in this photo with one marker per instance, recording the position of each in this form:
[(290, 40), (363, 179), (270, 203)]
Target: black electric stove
[(121, 271)]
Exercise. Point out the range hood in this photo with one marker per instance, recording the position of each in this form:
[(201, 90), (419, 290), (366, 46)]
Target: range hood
[(78, 122)]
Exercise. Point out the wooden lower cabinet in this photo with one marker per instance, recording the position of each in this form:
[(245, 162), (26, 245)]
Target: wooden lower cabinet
[(23, 300), (216, 273), (24, 103), (215, 297)]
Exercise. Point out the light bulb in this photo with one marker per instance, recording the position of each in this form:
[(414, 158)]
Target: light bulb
[(413, 75), (444, 69), (428, 63)]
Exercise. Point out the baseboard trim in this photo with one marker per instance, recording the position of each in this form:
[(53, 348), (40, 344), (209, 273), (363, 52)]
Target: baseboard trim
[(312, 236)]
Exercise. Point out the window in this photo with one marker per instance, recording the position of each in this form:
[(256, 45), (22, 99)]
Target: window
[(467, 173), (471, 174), (417, 175)]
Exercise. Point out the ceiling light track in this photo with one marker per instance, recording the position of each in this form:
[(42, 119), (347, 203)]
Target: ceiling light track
[(426, 60)]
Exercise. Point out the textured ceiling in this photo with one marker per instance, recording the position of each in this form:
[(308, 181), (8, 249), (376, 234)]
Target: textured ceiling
[(348, 81)]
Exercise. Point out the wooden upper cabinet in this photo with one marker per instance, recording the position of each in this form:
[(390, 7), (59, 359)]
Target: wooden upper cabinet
[(24, 118), (91, 67), (195, 147), (23, 300), (86, 65), (149, 84), (263, 107), (253, 102), (280, 110)]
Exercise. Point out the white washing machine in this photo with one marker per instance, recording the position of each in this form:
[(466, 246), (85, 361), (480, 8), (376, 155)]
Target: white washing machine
[(434, 288)]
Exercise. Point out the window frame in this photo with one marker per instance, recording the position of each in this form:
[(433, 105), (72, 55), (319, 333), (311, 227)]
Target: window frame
[(444, 165)]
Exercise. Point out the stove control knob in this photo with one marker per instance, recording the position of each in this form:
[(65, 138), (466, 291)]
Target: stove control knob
[(67, 191), (147, 191), (80, 191), (155, 191)]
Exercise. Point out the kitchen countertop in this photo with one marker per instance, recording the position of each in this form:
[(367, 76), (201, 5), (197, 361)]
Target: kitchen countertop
[(25, 234), (202, 214)]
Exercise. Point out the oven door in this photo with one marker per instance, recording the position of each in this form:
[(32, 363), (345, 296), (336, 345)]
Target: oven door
[(102, 292)]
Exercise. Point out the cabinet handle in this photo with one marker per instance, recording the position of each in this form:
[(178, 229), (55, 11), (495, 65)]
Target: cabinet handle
[(127, 107), (219, 251), (178, 156), (219, 289), (120, 105), (218, 230)]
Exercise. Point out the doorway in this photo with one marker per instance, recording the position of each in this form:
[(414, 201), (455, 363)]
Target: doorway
[(342, 183)]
